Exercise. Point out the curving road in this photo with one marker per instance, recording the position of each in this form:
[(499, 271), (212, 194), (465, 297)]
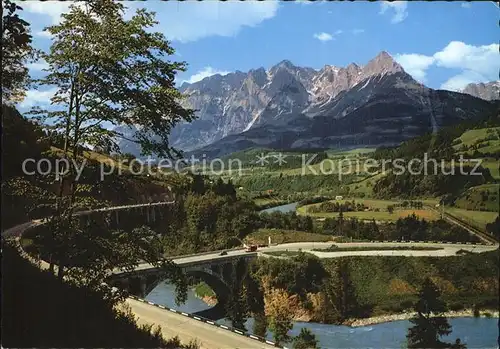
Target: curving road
[(445, 250), (212, 337)]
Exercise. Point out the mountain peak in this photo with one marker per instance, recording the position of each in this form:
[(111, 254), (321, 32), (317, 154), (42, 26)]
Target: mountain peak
[(285, 63), (485, 90), (381, 64)]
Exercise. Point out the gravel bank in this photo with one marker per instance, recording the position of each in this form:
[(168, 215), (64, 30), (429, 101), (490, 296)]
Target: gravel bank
[(407, 316)]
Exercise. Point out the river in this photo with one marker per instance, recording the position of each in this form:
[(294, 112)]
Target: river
[(282, 208), (475, 332)]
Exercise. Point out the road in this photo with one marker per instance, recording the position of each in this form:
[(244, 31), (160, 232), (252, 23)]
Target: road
[(213, 337), (188, 329), (445, 250)]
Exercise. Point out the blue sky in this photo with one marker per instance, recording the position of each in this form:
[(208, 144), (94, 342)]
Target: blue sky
[(442, 44)]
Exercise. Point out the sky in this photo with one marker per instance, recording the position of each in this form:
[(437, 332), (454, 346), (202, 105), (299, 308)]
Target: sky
[(444, 45)]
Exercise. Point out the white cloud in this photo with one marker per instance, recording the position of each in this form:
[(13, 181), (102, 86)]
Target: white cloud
[(43, 34), (53, 9), (304, 2), (482, 59), (190, 20), (38, 65), (479, 63), (358, 31), (398, 7), (181, 21), (204, 73), (475, 63), (37, 97), (327, 36), (415, 64), (466, 4), (458, 82), (323, 36)]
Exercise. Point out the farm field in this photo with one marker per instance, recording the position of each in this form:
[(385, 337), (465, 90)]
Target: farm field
[(478, 219), (480, 198), (493, 166), (372, 203), (378, 216)]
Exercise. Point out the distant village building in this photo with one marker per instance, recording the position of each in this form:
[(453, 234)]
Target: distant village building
[(339, 197)]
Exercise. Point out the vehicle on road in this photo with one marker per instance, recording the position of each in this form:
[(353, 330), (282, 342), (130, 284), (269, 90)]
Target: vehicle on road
[(223, 253), (251, 248)]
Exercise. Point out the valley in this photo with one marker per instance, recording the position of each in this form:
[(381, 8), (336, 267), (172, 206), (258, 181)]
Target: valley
[(239, 174)]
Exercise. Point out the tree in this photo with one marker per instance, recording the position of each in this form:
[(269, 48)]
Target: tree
[(429, 323), (390, 208), (107, 71), (493, 228), (305, 340), (16, 52), (111, 70), (280, 315)]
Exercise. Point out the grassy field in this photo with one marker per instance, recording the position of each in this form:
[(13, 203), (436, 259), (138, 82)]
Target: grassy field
[(382, 216), (478, 219), (492, 165), (472, 136), (480, 198), (487, 140), (372, 203), (281, 236), (365, 186)]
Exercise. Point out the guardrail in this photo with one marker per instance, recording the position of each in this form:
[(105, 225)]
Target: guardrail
[(210, 322)]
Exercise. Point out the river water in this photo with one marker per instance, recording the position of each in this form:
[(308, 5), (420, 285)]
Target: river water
[(283, 208), (475, 332)]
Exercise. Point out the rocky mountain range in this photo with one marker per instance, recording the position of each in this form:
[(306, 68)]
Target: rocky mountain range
[(489, 91), (294, 107)]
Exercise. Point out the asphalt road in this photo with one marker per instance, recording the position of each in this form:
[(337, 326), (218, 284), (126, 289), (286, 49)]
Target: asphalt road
[(445, 250), (213, 337), (188, 329)]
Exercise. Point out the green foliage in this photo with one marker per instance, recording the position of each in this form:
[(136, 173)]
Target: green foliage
[(410, 228), (407, 185), (353, 287), (480, 198), (203, 290), (108, 69), (289, 221), (493, 228), (429, 323), (16, 52), (45, 312), (305, 340), (281, 236), (289, 185), (299, 275)]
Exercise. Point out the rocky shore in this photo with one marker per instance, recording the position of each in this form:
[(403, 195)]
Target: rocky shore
[(406, 316), (209, 300)]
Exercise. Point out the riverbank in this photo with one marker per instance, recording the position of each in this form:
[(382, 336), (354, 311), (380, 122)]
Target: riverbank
[(406, 316), (205, 293)]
